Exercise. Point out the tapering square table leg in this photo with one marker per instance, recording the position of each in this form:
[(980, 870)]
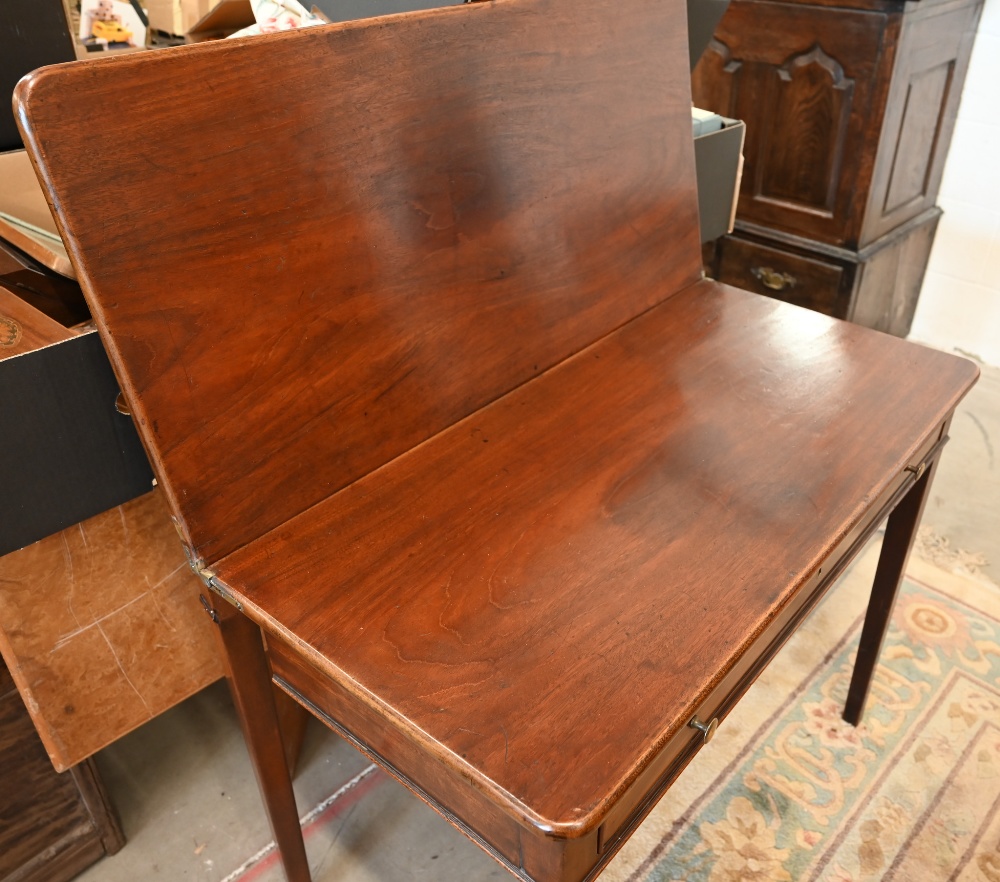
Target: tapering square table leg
[(900, 531), (250, 683)]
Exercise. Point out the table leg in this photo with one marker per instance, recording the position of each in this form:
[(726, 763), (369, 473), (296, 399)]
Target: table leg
[(249, 679), (900, 531)]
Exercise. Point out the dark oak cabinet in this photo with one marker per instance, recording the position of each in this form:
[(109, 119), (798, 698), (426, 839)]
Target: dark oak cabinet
[(52, 825), (850, 108)]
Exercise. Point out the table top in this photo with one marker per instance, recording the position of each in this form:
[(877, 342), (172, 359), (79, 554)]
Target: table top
[(571, 570)]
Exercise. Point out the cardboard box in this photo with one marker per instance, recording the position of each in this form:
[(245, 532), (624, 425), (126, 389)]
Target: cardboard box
[(225, 18), (718, 160), (176, 17), (66, 453)]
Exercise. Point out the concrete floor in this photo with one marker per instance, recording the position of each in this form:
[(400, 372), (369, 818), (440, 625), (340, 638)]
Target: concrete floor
[(187, 797)]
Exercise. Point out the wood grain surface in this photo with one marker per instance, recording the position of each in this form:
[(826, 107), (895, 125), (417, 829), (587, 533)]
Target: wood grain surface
[(52, 826), (578, 564), (440, 228)]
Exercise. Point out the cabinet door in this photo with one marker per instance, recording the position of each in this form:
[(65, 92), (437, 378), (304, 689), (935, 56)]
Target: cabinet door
[(806, 80)]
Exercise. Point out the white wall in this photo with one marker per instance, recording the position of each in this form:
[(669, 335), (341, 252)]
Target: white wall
[(959, 305)]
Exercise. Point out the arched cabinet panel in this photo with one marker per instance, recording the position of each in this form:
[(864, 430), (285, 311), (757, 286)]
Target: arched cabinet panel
[(811, 96)]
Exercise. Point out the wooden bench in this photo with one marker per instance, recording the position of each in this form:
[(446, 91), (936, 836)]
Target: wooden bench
[(411, 318)]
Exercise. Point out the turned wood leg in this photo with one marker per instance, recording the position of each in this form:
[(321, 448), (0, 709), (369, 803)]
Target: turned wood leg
[(900, 531), (250, 683)]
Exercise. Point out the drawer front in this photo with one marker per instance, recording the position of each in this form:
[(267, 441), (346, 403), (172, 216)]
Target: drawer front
[(443, 788), (804, 281)]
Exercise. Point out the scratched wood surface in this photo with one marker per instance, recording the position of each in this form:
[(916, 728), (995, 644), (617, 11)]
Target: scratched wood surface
[(101, 628), (441, 229)]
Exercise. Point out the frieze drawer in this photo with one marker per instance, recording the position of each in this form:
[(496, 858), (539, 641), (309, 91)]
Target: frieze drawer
[(794, 278)]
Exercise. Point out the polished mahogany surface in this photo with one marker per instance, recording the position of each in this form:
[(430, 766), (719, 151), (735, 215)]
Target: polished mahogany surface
[(353, 236), (570, 571)]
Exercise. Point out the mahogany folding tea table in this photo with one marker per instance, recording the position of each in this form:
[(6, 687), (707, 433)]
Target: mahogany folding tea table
[(410, 316)]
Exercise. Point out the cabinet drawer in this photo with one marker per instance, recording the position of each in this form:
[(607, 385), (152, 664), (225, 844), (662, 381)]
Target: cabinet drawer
[(794, 278)]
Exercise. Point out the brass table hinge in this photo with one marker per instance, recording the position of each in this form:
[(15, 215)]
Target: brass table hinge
[(208, 577), (209, 608)]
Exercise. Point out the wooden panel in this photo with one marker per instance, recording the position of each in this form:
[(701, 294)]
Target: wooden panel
[(923, 107), (449, 207), (811, 100), (715, 80), (890, 279), (434, 782), (53, 826), (934, 51), (472, 591), (121, 636), (38, 806)]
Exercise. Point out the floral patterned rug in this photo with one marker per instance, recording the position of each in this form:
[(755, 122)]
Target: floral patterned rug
[(792, 793)]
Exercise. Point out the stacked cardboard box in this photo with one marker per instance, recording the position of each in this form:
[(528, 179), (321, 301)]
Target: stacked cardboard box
[(176, 16)]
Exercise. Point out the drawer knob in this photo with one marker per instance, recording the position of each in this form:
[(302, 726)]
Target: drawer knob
[(772, 279), (707, 729)]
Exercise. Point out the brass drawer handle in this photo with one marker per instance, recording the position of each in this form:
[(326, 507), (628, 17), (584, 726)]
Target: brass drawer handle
[(707, 729), (772, 279)]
